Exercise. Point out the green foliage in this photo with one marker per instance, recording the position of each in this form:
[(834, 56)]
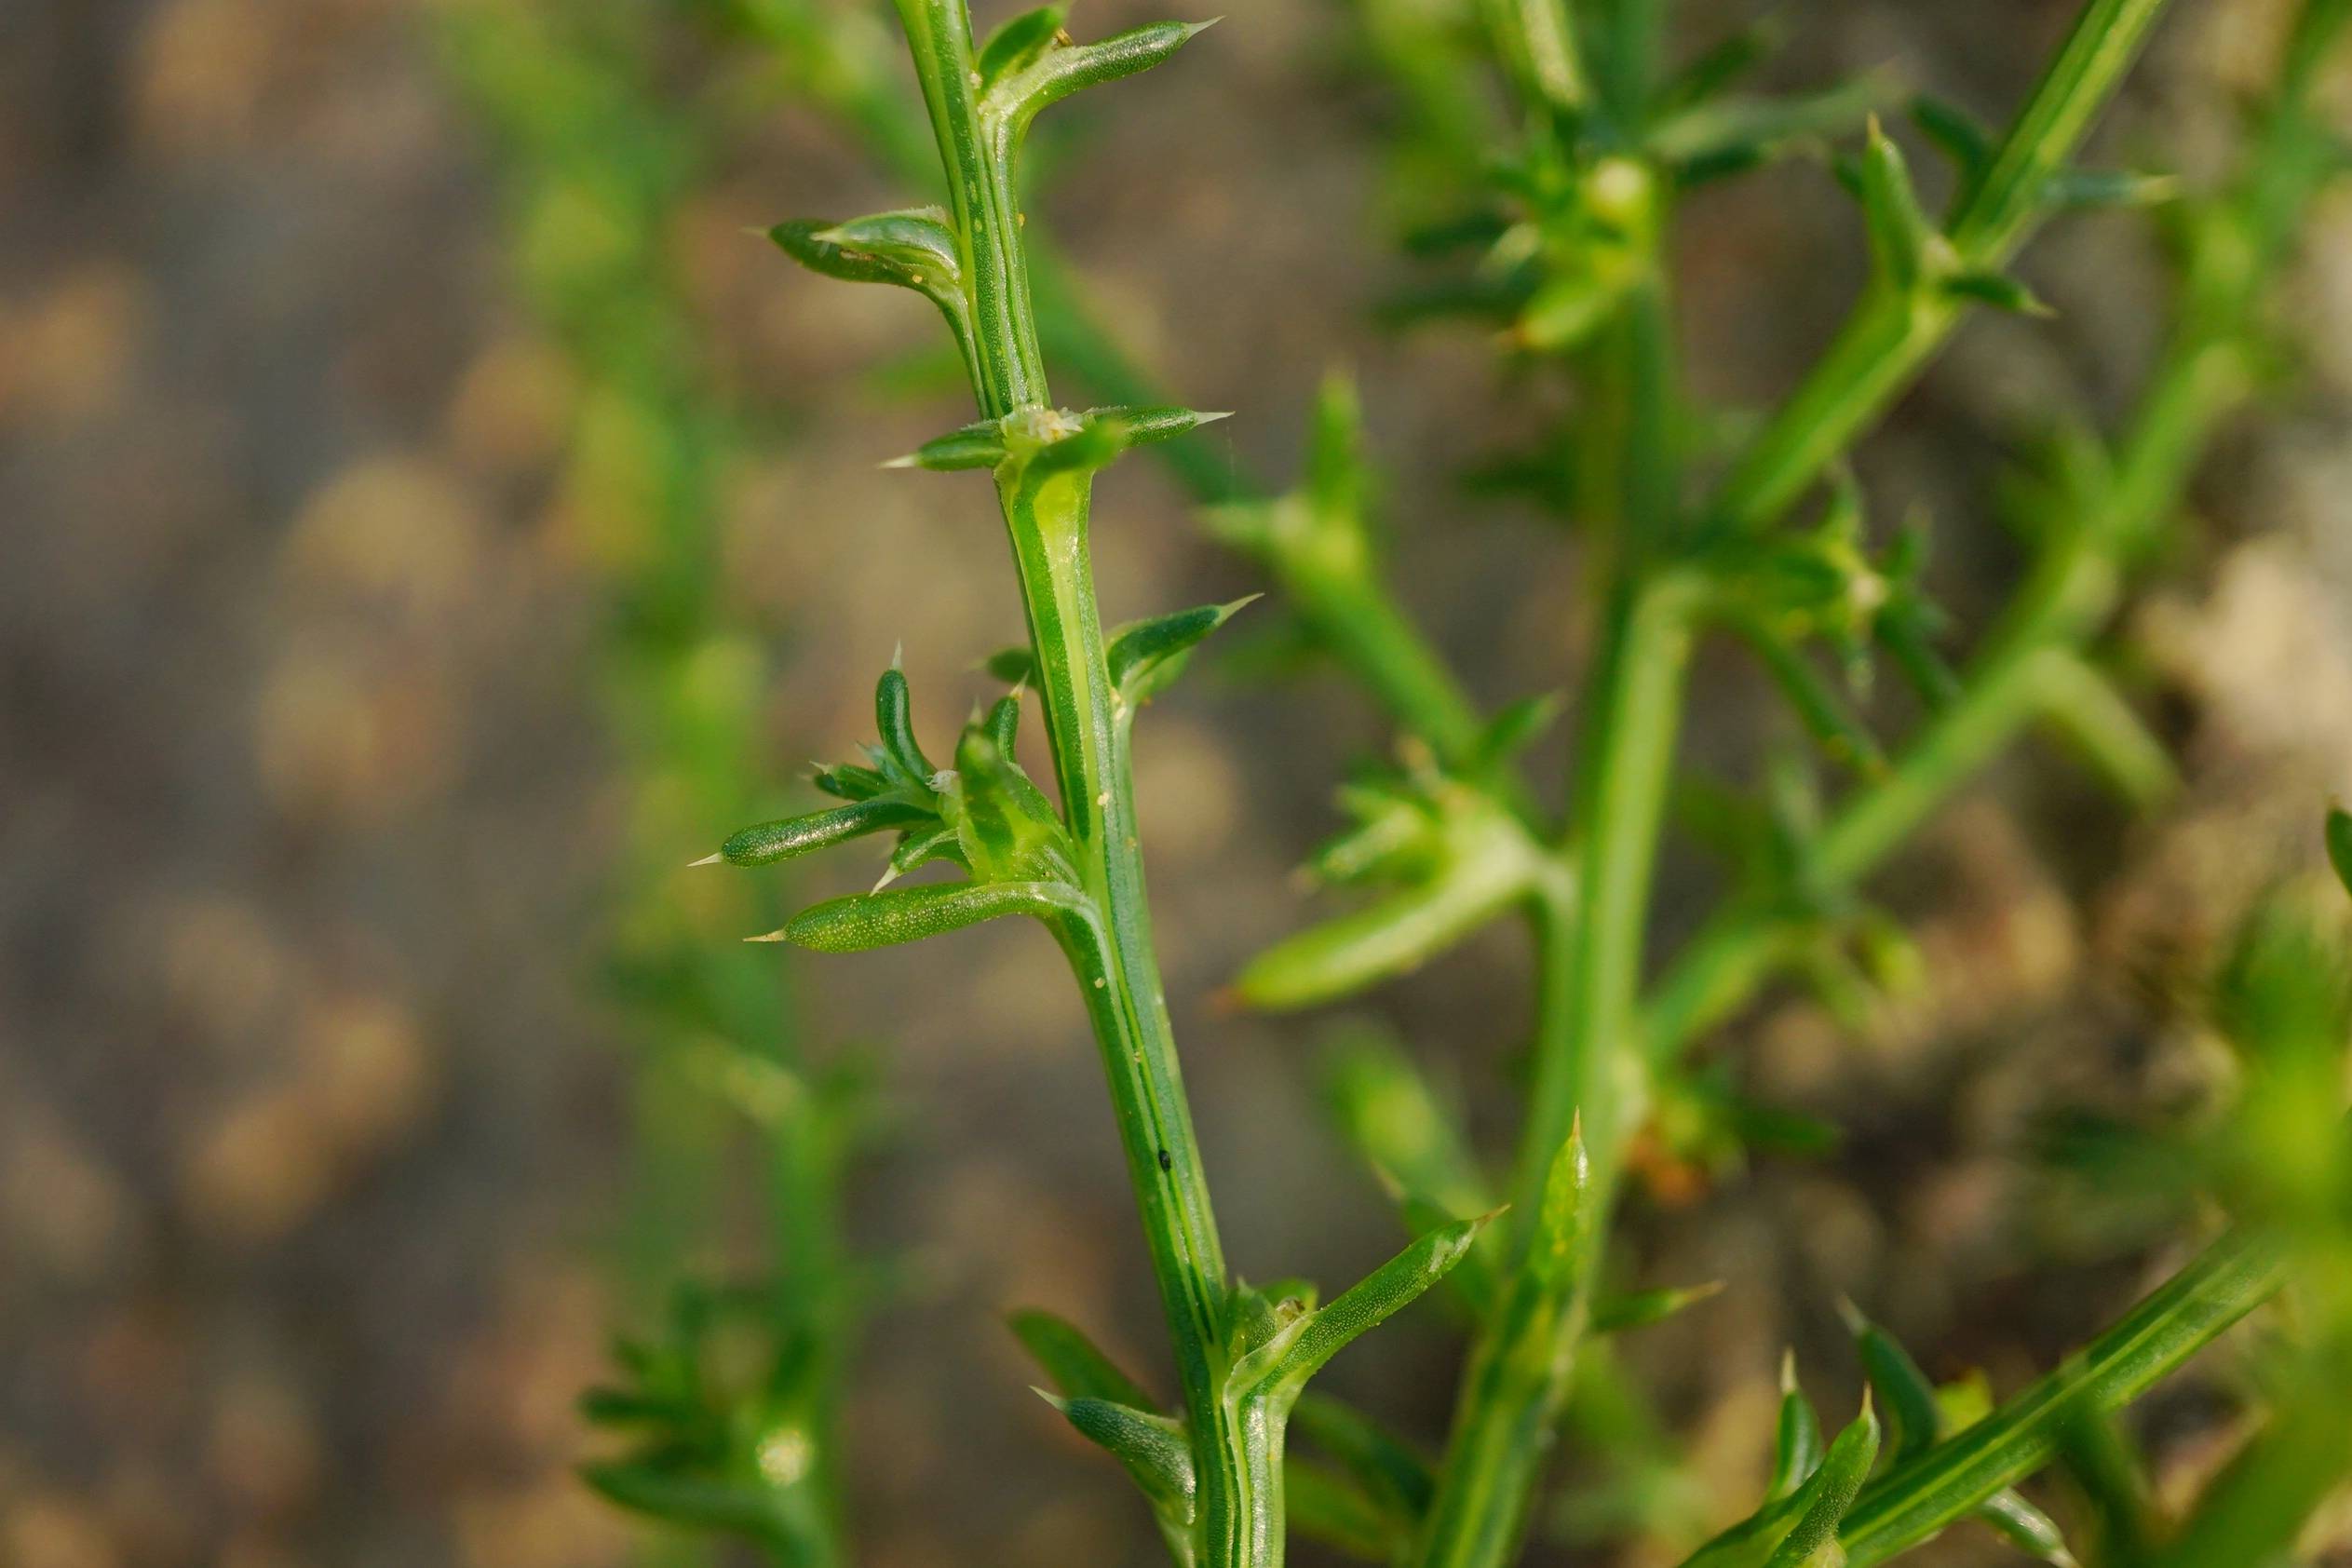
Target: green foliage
[(1564, 207)]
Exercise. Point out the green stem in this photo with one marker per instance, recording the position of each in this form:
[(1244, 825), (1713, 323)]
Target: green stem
[(1587, 1068), (2072, 592), (982, 197), (2204, 377), (1111, 955), (1917, 1500), (1894, 332), (1237, 1454)]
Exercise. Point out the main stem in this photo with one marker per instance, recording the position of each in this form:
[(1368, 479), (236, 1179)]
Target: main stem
[(1590, 1060), (1238, 1506)]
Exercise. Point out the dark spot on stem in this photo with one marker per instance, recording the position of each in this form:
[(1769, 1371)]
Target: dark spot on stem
[(1165, 1163)]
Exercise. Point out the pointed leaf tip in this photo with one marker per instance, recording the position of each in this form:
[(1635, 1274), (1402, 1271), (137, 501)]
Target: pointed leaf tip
[(706, 861), (2340, 845)]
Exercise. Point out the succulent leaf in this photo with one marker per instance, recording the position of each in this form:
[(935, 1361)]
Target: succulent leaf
[(1998, 289), (1957, 133), (772, 842), (1796, 1447), (867, 921), (894, 721), (1281, 1368), (1900, 230), (1146, 657), (916, 241), (1916, 1412), (1567, 1217), (1155, 1448), (1461, 855), (1826, 1498), (1079, 1370), (978, 445), (1057, 73)]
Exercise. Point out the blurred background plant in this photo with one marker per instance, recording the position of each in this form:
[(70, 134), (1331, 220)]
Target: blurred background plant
[(307, 1180)]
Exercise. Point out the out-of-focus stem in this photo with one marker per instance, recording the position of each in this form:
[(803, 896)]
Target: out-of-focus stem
[(1893, 333)]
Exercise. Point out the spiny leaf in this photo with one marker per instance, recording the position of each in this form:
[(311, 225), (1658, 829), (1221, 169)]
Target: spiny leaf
[(1725, 136), (988, 442), (1959, 135), (1281, 1369), (1998, 289), (894, 721), (919, 849), (1516, 727), (1077, 1368), (1017, 44), (1828, 1496), (1796, 1447), (772, 842), (1390, 938), (1146, 656), (906, 255), (1899, 231), (1390, 1115), (1724, 63), (1621, 1313), (862, 923), (1058, 73), (1003, 727), (1154, 1448), (1567, 1217), (917, 239), (1917, 1413), (1149, 423), (684, 1499), (1907, 1392), (978, 445), (1833, 723), (2027, 1527)]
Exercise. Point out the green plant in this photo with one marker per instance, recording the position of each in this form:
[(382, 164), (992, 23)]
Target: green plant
[(1572, 222), (595, 161)]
